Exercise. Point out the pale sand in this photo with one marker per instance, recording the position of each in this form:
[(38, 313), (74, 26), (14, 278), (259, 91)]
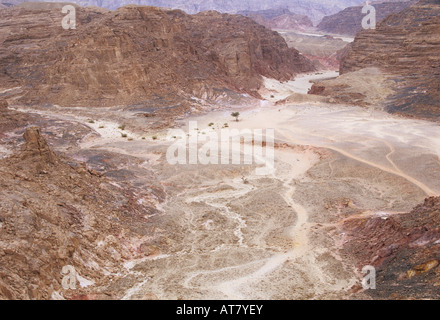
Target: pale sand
[(302, 84), (352, 131), (4, 152), (270, 238)]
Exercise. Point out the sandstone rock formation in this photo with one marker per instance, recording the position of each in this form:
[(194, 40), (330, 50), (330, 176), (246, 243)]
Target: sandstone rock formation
[(137, 54), (403, 248), (349, 21), (54, 214), (405, 48), (37, 148)]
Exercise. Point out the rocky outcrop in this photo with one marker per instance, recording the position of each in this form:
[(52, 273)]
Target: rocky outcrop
[(36, 147), (349, 21), (405, 51), (403, 248), (137, 54), (279, 19), (405, 46), (367, 87), (56, 213)]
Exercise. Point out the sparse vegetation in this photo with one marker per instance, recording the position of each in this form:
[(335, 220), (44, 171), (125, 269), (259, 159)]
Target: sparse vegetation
[(235, 115), (123, 135), (91, 121), (122, 127), (154, 137), (211, 124)]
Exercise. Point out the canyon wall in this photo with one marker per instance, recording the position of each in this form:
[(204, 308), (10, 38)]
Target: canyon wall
[(136, 54), (395, 67), (349, 21), (405, 46)]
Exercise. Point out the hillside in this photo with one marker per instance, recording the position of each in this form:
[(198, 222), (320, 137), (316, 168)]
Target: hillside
[(405, 52), (349, 21), (137, 54), (279, 19)]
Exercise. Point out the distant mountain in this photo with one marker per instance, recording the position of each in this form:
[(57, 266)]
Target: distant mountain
[(349, 21), (314, 9), (279, 19)]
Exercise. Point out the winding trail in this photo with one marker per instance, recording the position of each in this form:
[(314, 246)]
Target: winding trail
[(236, 278), (428, 191)]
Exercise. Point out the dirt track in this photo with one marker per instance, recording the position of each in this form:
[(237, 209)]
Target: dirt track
[(233, 234)]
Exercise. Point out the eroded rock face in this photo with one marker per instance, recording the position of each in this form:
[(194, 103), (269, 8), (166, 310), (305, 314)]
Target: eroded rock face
[(405, 46), (404, 248), (136, 54), (56, 213), (36, 147), (405, 51)]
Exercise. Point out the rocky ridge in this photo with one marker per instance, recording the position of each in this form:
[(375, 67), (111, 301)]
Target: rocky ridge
[(137, 54), (56, 212), (404, 49), (279, 19), (404, 249), (349, 21), (314, 9)]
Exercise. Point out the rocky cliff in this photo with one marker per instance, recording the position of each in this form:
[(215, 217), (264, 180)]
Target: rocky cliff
[(404, 53), (56, 213), (137, 54), (405, 46), (349, 21), (404, 249)]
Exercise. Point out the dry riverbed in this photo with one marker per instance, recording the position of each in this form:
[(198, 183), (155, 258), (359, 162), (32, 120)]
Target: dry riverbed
[(232, 234)]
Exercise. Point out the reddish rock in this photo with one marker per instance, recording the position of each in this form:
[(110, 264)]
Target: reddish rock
[(406, 47), (136, 54), (404, 249), (349, 21), (36, 147)]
